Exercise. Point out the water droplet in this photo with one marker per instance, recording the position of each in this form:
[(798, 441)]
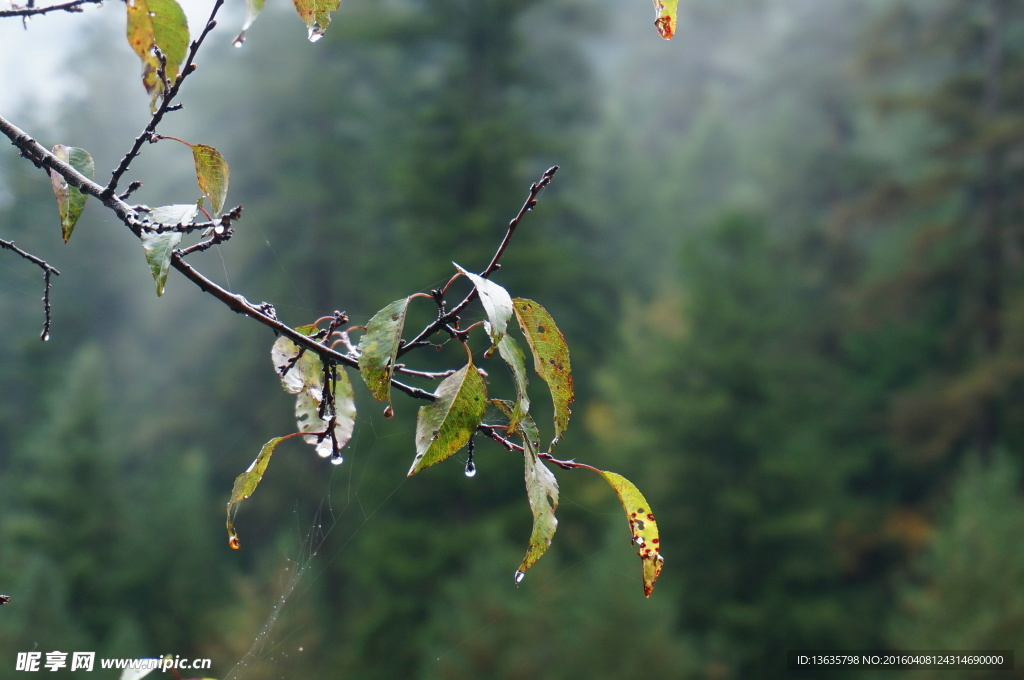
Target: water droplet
[(219, 229), (45, 336), (389, 412), (240, 40), (520, 575), (234, 542), (315, 32), (337, 460), (470, 468)]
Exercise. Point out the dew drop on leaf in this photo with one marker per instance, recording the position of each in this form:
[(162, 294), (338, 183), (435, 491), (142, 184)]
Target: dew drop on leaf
[(240, 40), (315, 32), (520, 575)]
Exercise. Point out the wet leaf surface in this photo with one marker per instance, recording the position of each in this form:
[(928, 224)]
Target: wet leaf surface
[(70, 200), (642, 526), (445, 425), (157, 25), (550, 357), (378, 347)]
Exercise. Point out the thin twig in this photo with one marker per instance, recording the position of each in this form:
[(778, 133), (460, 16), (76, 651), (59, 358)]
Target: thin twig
[(48, 270), (149, 134), (446, 317), (73, 6)]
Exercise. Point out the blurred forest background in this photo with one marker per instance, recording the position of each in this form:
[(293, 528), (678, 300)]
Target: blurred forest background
[(786, 251)]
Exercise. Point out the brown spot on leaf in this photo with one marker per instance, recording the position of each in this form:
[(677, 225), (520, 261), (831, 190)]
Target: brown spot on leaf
[(665, 28)]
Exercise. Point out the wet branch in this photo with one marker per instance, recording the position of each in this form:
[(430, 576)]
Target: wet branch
[(30, 11), (444, 318), (48, 270), (166, 104)]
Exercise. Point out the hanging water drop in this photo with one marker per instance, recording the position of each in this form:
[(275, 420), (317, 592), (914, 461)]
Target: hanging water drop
[(470, 468), (45, 336), (240, 40), (315, 32), (520, 575), (389, 412), (337, 460)]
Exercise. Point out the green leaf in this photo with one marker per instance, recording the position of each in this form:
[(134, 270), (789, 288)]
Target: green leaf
[(496, 302), (212, 173), (341, 423), (297, 369), (252, 10), (667, 11), (157, 25), (378, 347), (550, 358), (642, 526), (445, 425), (542, 490), (246, 483), (159, 248), (317, 15), (509, 350), (70, 200)]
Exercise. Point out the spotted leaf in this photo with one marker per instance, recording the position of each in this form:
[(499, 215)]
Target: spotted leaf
[(379, 346), (550, 357), (642, 526)]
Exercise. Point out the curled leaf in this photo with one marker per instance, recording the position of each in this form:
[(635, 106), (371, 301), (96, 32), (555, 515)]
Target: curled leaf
[(213, 174), (157, 27), (550, 357), (642, 526), (378, 347), (509, 350), (70, 200), (246, 483), (496, 302), (542, 490), (446, 424), (317, 15)]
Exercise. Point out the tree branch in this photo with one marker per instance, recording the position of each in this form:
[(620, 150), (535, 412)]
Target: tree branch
[(48, 269), (73, 6), (149, 134), (444, 318)]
